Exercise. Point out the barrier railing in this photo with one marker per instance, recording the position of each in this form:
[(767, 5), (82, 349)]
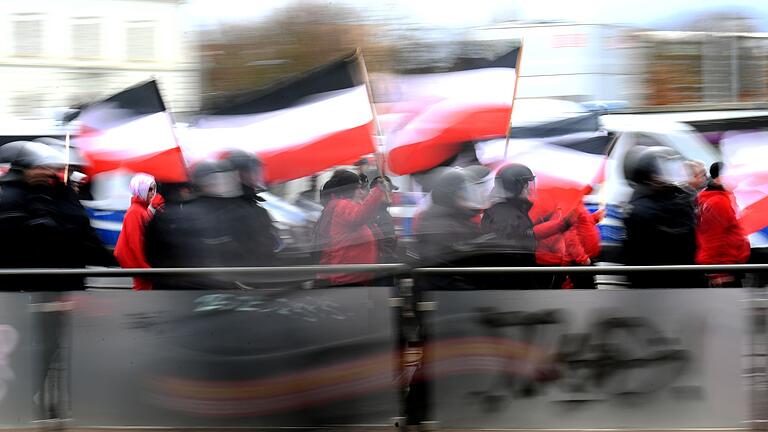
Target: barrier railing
[(387, 268), (384, 356)]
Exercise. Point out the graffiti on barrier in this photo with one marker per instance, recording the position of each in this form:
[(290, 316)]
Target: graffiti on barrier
[(304, 308), (616, 357)]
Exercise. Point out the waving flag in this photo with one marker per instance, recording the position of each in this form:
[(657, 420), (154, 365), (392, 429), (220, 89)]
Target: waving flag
[(297, 127), (746, 174), (566, 155), (131, 131), (438, 112)]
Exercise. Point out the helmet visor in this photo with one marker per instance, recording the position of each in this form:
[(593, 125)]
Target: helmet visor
[(673, 171)]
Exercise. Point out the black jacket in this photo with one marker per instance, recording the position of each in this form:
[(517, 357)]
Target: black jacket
[(46, 227), (209, 232), (510, 222), (660, 223), (442, 234), (386, 238)]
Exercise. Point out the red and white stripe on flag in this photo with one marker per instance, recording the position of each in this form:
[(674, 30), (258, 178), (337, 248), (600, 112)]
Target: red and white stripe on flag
[(437, 113), (146, 144), (563, 175), (746, 175), (334, 129), (132, 131)]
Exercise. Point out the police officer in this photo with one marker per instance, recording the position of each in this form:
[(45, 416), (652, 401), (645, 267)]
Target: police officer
[(218, 228), (42, 223)]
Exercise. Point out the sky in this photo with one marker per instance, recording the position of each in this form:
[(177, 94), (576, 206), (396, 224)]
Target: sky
[(454, 13)]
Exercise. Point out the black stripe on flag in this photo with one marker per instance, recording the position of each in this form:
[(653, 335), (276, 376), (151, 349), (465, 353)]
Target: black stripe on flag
[(130, 104), (141, 99), (339, 74)]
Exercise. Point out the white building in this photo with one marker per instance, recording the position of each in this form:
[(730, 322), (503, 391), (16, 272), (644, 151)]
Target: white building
[(578, 62), (56, 53)]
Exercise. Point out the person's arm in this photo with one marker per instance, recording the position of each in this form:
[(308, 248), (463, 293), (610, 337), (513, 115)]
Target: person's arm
[(598, 216), (551, 227), (360, 214)]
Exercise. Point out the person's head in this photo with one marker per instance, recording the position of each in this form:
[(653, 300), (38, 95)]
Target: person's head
[(656, 166), (516, 181), (343, 184), (697, 174), (143, 187), (34, 163), (451, 189), (216, 179), (249, 167), (175, 192), (361, 165), (714, 172)]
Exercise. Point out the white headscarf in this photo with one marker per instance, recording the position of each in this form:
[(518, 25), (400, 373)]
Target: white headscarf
[(140, 185)]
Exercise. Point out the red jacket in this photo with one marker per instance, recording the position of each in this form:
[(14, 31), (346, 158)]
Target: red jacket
[(551, 247), (129, 250), (351, 240), (584, 237), (720, 239)]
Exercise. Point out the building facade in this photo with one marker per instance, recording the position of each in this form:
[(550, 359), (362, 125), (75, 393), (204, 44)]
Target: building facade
[(55, 54)]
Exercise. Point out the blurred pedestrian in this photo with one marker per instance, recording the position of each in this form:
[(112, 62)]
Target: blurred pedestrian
[(251, 172), (129, 250), (578, 246), (582, 243), (216, 228), (660, 219), (509, 219), (720, 237), (42, 223), (343, 234), (446, 230)]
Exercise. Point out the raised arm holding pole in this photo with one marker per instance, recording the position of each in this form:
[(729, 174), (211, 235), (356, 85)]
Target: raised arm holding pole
[(380, 158)]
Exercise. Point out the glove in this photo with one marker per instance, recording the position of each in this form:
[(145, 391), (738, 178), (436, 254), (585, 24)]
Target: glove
[(599, 215)]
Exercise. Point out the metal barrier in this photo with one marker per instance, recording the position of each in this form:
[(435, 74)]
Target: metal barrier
[(385, 268), (384, 356)]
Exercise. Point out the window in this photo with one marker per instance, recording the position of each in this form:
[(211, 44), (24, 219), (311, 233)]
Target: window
[(141, 41), (28, 36), (86, 39)]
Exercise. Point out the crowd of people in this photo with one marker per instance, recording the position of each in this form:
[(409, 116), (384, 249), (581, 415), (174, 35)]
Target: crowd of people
[(676, 215)]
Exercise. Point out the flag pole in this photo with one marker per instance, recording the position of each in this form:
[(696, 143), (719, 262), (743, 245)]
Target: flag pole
[(514, 96), (380, 158), (66, 158)]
